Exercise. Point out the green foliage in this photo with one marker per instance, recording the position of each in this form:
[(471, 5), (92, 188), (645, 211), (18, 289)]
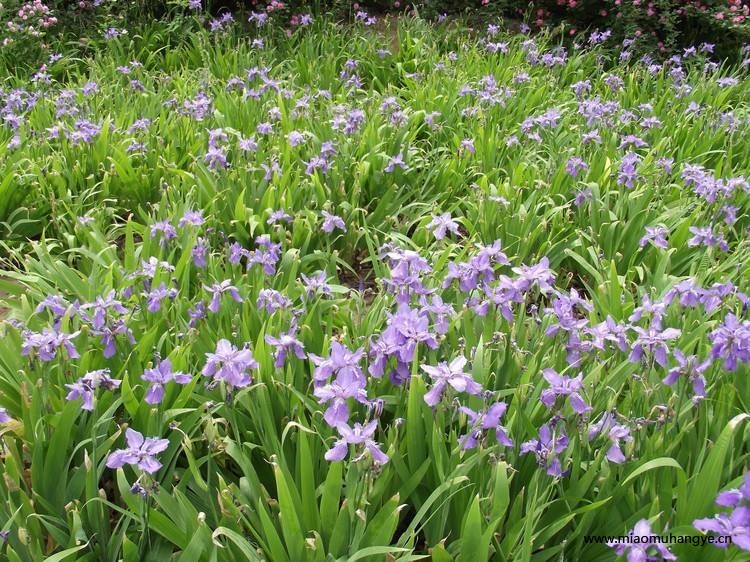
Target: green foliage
[(244, 475)]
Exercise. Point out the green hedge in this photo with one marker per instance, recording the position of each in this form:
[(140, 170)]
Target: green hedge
[(653, 26)]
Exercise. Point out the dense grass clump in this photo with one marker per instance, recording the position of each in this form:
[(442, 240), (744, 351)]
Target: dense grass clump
[(373, 293)]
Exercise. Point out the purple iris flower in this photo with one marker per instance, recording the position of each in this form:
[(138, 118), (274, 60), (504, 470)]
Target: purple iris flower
[(580, 88), (657, 235), (330, 222), (46, 344), (109, 335), (413, 328), (57, 305), (84, 131), (566, 309), (407, 269), (101, 306), (148, 269), (140, 125), (342, 363), (727, 81), (468, 146), (654, 340), (336, 395), (218, 289), (441, 224), (158, 377), (628, 170), (199, 252), (4, 417), (713, 297), (564, 386), (357, 435), (655, 123), (279, 216), (705, 236), (316, 282), (316, 163), (398, 118), (89, 88), (112, 33), (216, 158), (264, 128), (655, 309), (452, 374), (236, 251), (731, 342), (690, 368), (193, 218), (248, 144), (609, 331), (539, 274), (348, 121), (665, 164), (735, 525), (198, 312), (260, 18), (642, 549), (591, 136), (230, 365), (155, 296), (616, 433), (405, 330), (597, 37), (470, 274), (272, 300), (295, 138), (632, 140), (482, 422), (492, 253), (430, 119), (575, 166), (266, 255), (167, 231), (732, 498), (285, 344), (504, 295), (141, 452), (551, 443), (86, 386), (730, 214), (441, 313)]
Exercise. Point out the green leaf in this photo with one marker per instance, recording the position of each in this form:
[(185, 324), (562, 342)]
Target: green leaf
[(380, 528), (291, 527), (705, 485), (238, 540), (376, 551), (65, 554), (472, 545), (330, 499)]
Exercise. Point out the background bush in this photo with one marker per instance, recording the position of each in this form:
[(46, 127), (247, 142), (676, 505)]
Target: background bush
[(33, 28)]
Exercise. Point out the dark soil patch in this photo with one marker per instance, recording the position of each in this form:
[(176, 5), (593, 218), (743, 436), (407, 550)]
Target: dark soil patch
[(360, 277)]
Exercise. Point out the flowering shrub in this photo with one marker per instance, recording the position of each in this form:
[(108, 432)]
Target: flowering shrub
[(326, 296), (664, 21), (25, 27), (644, 25), (660, 24)]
